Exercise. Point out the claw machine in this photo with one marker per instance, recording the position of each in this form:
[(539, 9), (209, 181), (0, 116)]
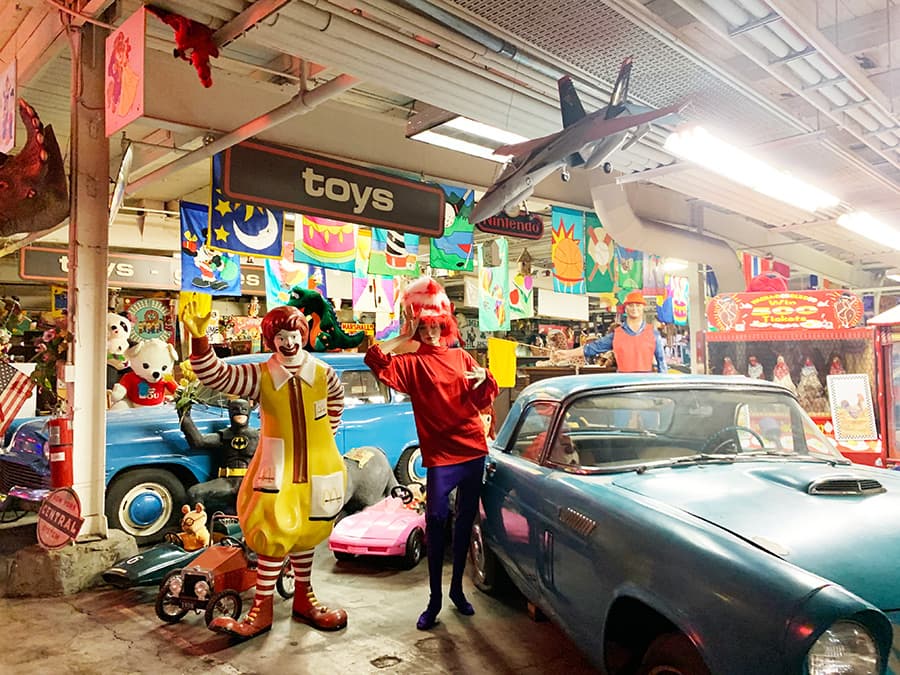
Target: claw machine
[(805, 341)]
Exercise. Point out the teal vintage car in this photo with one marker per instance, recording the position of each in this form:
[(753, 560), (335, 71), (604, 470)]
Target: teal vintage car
[(692, 525)]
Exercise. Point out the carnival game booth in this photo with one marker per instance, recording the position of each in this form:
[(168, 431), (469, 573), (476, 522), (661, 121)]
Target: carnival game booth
[(813, 343), (887, 340)]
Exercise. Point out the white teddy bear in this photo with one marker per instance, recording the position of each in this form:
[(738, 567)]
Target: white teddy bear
[(150, 379), (118, 328)]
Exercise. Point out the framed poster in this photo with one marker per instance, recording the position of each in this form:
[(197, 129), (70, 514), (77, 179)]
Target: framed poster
[(850, 398)]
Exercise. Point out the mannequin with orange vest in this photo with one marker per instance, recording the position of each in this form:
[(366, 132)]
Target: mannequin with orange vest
[(637, 345)]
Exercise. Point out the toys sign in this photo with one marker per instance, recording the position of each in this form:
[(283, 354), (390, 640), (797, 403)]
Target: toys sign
[(810, 310), (59, 519)]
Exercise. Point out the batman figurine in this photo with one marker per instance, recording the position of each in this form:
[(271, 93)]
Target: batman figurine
[(325, 333)]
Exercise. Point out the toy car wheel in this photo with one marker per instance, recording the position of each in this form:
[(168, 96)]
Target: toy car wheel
[(284, 584), (487, 574), (415, 548), (144, 502), (343, 556), (226, 603), (673, 654), (409, 467), (168, 606)]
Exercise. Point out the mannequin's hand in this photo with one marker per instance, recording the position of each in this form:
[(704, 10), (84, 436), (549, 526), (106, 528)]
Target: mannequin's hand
[(195, 310), (478, 375)]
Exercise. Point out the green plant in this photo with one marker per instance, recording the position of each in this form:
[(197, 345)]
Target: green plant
[(52, 348)]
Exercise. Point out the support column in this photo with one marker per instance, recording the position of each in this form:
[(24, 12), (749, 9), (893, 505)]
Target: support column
[(697, 308), (88, 254)]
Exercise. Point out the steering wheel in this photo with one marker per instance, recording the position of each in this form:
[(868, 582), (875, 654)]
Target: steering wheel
[(403, 493), (713, 447)]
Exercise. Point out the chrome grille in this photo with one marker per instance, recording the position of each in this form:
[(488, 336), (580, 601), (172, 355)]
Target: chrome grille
[(576, 521), (13, 473), (846, 486)]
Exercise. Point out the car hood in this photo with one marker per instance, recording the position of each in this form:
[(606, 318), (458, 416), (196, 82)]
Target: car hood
[(853, 541), (375, 523)]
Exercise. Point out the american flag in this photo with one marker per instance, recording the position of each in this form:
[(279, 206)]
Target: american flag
[(15, 388)]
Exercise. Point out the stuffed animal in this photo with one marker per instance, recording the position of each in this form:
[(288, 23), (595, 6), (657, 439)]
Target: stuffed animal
[(194, 533), (118, 328), (325, 331), (369, 478), (150, 378), (193, 42)]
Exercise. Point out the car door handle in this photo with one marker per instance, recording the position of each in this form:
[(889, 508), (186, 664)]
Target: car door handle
[(490, 468)]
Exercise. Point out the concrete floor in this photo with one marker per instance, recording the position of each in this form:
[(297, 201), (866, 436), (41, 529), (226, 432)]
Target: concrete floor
[(117, 631)]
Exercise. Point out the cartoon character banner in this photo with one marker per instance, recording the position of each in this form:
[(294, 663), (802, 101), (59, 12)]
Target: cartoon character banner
[(325, 242), (242, 228), (283, 274), (629, 271), (521, 295), (203, 269), (393, 253), (679, 287), (124, 99), (8, 108), (493, 290), (599, 256), (566, 250), (454, 250), (151, 318)]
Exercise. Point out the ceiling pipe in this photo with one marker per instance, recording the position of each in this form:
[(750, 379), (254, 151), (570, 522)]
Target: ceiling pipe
[(300, 104)]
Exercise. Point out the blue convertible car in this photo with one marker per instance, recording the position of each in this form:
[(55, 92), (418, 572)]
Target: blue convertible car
[(692, 525), (149, 465)]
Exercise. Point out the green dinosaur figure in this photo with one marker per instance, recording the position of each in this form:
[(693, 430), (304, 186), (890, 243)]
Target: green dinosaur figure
[(325, 331)]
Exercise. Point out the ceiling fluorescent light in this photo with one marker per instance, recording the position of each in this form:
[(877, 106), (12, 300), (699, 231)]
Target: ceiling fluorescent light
[(674, 265), (893, 277), (452, 143), (699, 146), (863, 224), (481, 130)]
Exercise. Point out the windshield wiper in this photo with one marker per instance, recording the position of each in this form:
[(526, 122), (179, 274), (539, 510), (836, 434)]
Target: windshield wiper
[(791, 455)]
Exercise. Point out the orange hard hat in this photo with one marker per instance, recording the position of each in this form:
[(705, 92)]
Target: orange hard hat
[(635, 297)]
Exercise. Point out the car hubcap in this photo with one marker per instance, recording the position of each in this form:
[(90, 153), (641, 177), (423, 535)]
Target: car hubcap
[(415, 468), (145, 509), (477, 549)]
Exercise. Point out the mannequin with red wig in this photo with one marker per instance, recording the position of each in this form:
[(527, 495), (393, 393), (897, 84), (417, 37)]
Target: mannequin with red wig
[(448, 390)]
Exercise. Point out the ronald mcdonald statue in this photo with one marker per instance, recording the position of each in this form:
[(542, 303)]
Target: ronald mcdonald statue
[(295, 483)]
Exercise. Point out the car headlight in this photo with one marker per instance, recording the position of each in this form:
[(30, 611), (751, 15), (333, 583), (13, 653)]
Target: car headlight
[(201, 590), (844, 649), (175, 585), (45, 450)]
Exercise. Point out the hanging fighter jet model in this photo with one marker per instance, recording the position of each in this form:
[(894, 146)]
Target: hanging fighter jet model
[(585, 141)]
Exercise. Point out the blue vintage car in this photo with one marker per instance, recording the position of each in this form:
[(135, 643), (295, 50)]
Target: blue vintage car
[(149, 465), (693, 525)]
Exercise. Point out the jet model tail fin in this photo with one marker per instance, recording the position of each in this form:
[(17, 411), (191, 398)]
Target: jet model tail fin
[(620, 90), (569, 103)]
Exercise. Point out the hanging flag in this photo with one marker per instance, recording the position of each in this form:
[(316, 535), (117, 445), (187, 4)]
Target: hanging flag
[(202, 268), (15, 389), (599, 256), (242, 228), (393, 253), (454, 250), (325, 242), (124, 68), (680, 289), (493, 290), (567, 250), (629, 272), (282, 275), (363, 299), (521, 295), (8, 108), (501, 356), (654, 275)]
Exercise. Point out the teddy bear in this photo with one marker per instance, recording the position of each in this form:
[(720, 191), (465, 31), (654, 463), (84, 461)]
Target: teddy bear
[(118, 329), (194, 533), (149, 381)]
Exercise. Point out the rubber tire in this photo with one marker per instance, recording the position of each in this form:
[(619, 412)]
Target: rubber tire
[(607, 168), (343, 556), (487, 572), (237, 605), (285, 582), (404, 470), (161, 596), (169, 485), (672, 654), (415, 548)]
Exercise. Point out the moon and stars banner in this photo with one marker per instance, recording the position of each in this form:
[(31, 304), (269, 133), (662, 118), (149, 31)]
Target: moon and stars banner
[(454, 250), (567, 250), (493, 290), (283, 274), (238, 227), (203, 269), (325, 242), (599, 258)]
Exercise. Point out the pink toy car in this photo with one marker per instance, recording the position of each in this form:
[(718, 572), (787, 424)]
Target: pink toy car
[(395, 526)]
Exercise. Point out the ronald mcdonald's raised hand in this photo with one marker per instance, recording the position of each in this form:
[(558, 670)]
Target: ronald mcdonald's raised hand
[(194, 311)]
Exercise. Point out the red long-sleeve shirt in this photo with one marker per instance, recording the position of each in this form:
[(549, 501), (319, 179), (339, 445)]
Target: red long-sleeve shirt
[(444, 401)]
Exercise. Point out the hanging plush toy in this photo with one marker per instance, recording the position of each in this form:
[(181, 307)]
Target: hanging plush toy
[(193, 42), (325, 331), (151, 364)]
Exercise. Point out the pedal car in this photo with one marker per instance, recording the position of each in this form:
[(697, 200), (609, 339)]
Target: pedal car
[(149, 567), (395, 526), (213, 582)]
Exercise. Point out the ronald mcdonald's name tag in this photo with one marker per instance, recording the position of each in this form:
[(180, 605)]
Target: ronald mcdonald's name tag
[(327, 496), (321, 408)]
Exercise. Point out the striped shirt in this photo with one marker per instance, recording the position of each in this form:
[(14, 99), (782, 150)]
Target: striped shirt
[(243, 379)]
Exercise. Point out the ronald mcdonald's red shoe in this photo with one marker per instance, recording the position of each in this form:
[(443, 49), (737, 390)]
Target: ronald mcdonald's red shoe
[(308, 610), (258, 620)]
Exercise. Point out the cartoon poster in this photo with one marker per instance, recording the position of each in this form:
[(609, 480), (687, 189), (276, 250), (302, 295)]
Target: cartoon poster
[(521, 295), (125, 72), (850, 398), (599, 256), (203, 269), (151, 318), (493, 290), (283, 274), (454, 250), (8, 108), (629, 271), (325, 242), (393, 253), (567, 250), (241, 228)]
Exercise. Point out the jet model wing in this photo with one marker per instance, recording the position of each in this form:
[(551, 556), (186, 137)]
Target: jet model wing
[(599, 127), (526, 147)]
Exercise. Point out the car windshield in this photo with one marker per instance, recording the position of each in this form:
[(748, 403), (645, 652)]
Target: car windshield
[(620, 430)]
